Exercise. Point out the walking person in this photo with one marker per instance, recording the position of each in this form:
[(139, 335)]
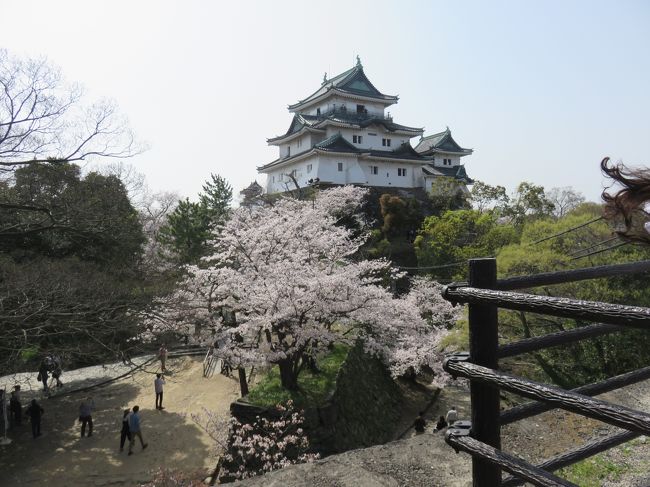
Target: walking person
[(162, 355), (134, 428), (126, 432), (158, 384), (85, 415), (43, 376), (35, 411), (57, 370), (452, 415), (16, 407)]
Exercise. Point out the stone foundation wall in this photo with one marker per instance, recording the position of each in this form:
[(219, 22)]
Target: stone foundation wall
[(362, 411)]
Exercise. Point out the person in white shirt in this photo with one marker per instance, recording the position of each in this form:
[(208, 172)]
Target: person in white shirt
[(452, 415), (158, 384)]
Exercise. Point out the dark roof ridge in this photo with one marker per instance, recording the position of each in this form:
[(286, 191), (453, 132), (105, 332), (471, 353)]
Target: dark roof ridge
[(340, 81), (446, 131), (334, 142), (407, 149)]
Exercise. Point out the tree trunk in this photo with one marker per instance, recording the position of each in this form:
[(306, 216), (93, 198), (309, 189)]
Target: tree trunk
[(288, 377), (243, 384)]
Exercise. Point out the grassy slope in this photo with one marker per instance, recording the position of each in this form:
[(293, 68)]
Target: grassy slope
[(313, 387)]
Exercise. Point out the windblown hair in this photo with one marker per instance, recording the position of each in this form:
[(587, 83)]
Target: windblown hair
[(627, 206)]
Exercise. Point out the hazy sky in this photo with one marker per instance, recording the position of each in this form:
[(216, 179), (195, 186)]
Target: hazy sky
[(540, 90)]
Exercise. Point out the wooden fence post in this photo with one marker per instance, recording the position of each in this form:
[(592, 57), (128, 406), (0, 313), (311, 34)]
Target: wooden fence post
[(483, 349)]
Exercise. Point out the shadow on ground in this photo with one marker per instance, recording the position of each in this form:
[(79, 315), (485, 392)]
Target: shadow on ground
[(60, 457)]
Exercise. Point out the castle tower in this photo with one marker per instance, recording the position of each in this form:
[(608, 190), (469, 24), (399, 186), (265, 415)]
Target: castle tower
[(342, 134)]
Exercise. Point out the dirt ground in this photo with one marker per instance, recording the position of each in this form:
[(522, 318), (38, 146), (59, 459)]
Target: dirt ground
[(60, 457)]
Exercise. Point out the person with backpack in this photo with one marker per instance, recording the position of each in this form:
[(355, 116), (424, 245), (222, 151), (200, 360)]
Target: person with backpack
[(57, 370)]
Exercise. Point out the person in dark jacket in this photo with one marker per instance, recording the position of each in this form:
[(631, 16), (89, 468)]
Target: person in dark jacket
[(85, 415), (441, 424), (43, 375), (16, 407), (57, 370), (420, 423), (35, 411), (126, 432)]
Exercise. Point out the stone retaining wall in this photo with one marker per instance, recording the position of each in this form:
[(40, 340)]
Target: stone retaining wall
[(361, 411)]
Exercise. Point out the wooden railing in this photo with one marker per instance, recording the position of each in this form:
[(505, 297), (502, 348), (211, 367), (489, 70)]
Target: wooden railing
[(481, 437)]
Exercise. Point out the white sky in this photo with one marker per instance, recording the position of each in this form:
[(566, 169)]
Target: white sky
[(541, 90)]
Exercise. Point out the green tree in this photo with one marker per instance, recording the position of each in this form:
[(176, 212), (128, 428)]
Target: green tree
[(52, 210), (186, 232), (528, 202), (485, 197), (70, 266), (588, 360), (456, 236), (189, 229), (216, 199)]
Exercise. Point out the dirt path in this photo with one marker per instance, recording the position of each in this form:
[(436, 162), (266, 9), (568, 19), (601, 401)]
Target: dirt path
[(61, 458)]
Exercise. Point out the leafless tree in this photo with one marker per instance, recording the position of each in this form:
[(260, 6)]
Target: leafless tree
[(564, 199), (42, 118)]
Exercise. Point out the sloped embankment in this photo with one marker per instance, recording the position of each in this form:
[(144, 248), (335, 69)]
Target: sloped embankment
[(363, 409)]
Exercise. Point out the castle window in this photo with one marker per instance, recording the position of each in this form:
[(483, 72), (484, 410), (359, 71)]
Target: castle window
[(361, 109), (374, 170), (385, 142), (356, 139), (401, 171), (288, 151), (340, 167), (318, 112), (299, 143), (308, 167)]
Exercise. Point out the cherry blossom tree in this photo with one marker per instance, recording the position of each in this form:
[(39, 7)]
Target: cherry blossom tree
[(259, 447), (290, 273)]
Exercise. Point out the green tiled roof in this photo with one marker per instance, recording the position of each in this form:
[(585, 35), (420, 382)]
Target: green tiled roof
[(353, 81), (338, 143), (440, 142), (351, 118), (364, 121), (297, 124), (456, 172), (404, 151)]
